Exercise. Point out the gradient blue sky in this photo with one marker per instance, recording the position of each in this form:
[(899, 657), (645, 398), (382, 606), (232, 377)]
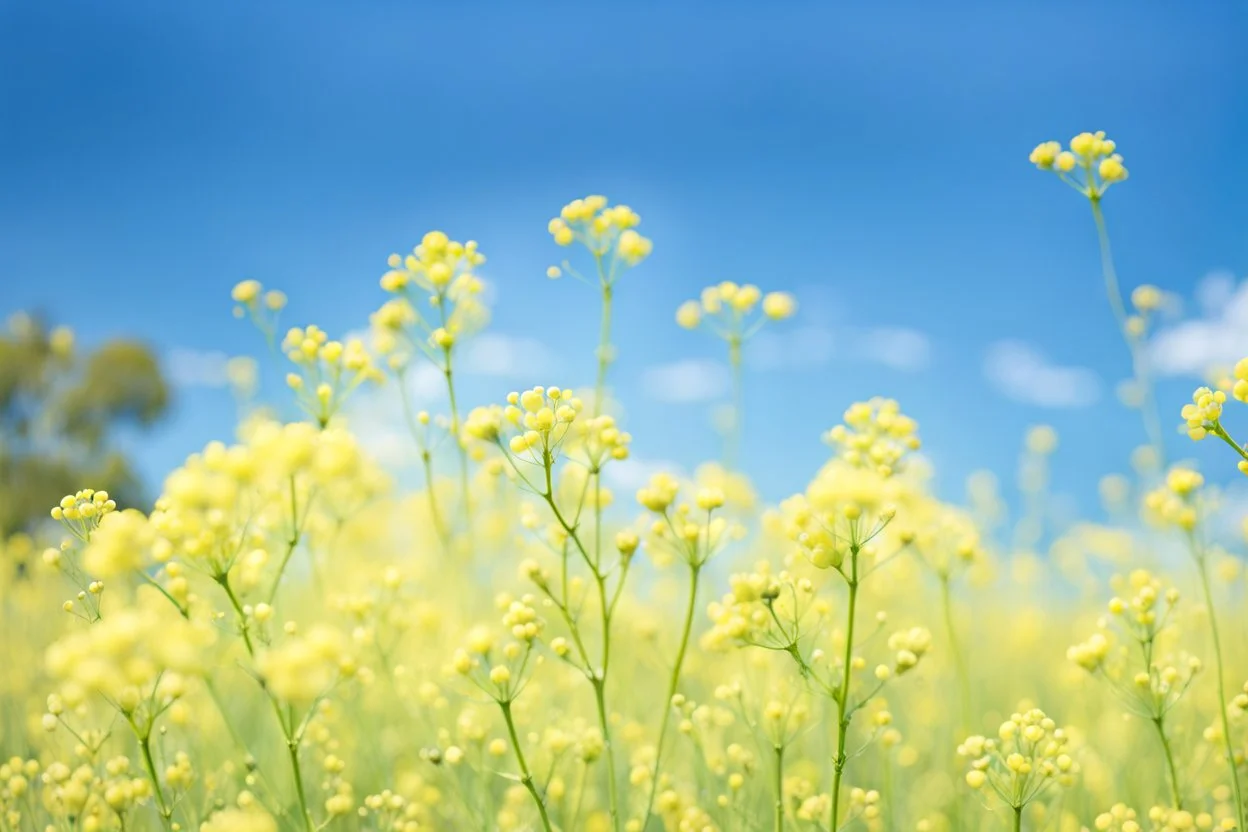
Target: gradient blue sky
[(869, 157)]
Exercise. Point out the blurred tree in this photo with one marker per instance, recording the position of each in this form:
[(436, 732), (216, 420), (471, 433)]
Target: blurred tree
[(60, 411)]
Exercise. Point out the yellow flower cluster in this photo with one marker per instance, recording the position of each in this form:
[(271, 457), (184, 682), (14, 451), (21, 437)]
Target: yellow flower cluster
[(439, 273), (606, 230), (136, 656), (875, 434), (82, 512), (1122, 818), (305, 666), (262, 307), (327, 371), (1029, 755), (1091, 164), (239, 820), (1176, 502), (726, 308)]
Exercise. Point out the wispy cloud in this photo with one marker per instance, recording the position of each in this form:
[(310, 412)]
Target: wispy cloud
[(1218, 337), (1021, 372), (898, 348), (197, 368), (688, 381), (507, 356)]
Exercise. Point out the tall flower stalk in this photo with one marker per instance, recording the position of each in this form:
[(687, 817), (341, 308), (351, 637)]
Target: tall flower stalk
[(1090, 167), (436, 304), (735, 314)]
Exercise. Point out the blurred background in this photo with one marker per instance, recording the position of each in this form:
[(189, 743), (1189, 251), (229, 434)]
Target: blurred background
[(871, 160)]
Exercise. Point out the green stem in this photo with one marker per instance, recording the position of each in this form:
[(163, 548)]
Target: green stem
[(459, 445), (439, 526), (842, 700), (292, 746), (526, 778), (243, 627), (145, 746), (736, 432), (672, 684), (779, 787), (604, 349), (1226, 726), (1139, 358), (296, 532), (1176, 796), (1018, 818), (604, 726)]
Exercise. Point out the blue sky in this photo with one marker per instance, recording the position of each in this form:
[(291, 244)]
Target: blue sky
[(870, 158)]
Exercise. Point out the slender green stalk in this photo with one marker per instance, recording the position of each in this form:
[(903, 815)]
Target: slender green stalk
[(779, 787), (672, 684), (296, 532), (464, 484), (736, 432), (292, 747), (1139, 357), (288, 731), (843, 713), (1226, 726), (1176, 795), (604, 348), (162, 807), (526, 778), (426, 460), (1018, 818)]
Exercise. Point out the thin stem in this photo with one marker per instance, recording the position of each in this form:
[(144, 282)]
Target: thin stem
[(736, 432), (296, 532), (1226, 726), (779, 787), (672, 684), (604, 349), (843, 713), (243, 627), (1139, 358), (145, 746), (1176, 796), (605, 727), (526, 777), (292, 746), (1018, 818), (463, 452)]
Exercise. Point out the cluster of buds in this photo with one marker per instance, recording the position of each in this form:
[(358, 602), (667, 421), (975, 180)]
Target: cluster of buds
[(80, 513), (688, 531), (726, 309), (1090, 166), (1176, 503), (327, 371), (1029, 755), (608, 231), (875, 434)]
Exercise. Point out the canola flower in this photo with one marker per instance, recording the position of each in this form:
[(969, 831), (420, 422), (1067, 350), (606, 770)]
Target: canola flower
[(282, 641)]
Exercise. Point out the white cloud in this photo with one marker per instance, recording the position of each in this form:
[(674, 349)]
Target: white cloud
[(895, 347), (1022, 373), (196, 368), (377, 419), (692, 380), (630, 474), (1219, 337), (898, 348), (506, 356)]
